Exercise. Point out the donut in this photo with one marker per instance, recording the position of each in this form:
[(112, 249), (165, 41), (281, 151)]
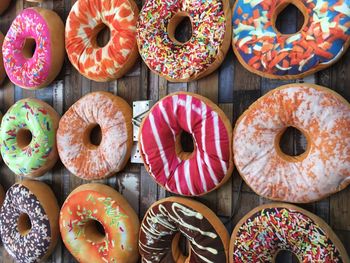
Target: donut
[(29, 221), (2, 69), (85, 21), (79, 153), (194, 173), (322, 116), (4, 5), (266, 230), (33, 49), (201, 54), (28, 137), (168, 219), (263, 50), (92, 204)]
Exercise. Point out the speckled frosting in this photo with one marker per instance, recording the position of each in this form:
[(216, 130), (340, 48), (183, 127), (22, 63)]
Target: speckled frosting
[(167, 218), (33, 246), (32, 115), (27, 72), (175, 61), (323, 116), (264, 233), (89, 161)]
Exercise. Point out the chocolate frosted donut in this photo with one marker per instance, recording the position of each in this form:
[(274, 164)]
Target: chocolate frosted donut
[(168, 218), (29, 221)]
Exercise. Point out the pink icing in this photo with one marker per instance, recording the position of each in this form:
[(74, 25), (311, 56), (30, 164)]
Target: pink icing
[(22, 71)]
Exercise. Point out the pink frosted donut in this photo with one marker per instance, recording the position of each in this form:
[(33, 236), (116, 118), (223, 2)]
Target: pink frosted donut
[(193, 173), (28, 54)]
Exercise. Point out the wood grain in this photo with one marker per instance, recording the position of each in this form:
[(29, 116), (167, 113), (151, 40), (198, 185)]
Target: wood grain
[(232, 87)]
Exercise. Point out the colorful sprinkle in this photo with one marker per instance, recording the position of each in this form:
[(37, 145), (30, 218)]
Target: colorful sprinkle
[(261, 236), (195, 56), (24, 72)]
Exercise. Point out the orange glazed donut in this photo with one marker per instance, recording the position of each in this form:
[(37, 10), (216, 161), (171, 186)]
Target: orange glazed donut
[(79, 152), (168, 218), (93, 205), (86, 19), (323, 116)]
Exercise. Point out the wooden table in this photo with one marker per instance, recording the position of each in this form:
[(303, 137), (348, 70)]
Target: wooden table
[(232, 87)]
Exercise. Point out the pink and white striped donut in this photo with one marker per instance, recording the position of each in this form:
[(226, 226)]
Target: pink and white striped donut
[(195, 173)]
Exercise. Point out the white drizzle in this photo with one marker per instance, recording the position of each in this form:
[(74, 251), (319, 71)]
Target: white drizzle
[(168, 223)]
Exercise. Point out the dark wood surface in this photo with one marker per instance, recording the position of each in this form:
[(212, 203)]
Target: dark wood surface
[(232, 87)]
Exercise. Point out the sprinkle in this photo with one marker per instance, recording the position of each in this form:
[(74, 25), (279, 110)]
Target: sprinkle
[(266, 232)]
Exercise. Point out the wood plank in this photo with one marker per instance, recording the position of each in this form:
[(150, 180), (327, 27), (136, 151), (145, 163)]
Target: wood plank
[(224, 196)]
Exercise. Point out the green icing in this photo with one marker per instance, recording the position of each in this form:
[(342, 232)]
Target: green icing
[(27, 114)]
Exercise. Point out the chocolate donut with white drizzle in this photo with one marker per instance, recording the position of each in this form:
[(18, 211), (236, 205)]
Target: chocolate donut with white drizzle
[(168, 218)]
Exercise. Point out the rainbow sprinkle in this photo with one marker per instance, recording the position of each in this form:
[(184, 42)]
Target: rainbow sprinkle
[(269, 230), (181, 61)]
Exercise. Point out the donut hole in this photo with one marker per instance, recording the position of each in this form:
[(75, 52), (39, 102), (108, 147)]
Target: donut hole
[(23, 138), (94, 231), (94, 134), (103, 36), (180, 28), (184, 145), (24, 224), (186, 140), (184, 246), (287, 139), (285, 16), (286, 256), (180, 247), (29, 48)]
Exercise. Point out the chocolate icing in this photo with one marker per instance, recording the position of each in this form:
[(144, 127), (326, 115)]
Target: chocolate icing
[(164, 220), (34, 245)]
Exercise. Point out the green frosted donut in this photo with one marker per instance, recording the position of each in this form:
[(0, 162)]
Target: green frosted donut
[(28, 137)]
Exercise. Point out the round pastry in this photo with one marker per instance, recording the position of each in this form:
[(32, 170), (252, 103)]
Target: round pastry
[(262, 49), (323, 116), (93, 205), (84, 23), (210, 163), (2, 69), (168, 219), (28, 137), (266, 230), (4, 4), (29, 221), (201, 54), (33, 50), (94, 137)]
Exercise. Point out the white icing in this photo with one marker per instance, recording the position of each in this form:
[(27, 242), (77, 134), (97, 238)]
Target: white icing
[(327, 120), (160, 226)]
